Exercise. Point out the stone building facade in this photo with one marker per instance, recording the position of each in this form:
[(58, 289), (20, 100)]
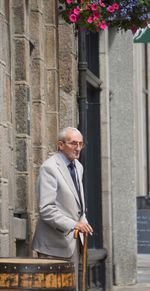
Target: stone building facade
[(39, 94)]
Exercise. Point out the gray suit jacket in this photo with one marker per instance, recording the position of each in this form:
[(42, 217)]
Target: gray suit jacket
[(59, 208)]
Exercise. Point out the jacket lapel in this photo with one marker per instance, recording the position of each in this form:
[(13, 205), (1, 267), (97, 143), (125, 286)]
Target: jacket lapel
[(66, 175), (80, 184)]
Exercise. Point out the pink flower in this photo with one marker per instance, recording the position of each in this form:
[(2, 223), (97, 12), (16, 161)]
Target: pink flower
[(73, 18), (116, 6), (96, 15), (94, 7), (110, 9), (102, 4), (88, 7), (95, 18), (90, 19), (102, 25), (76, 10), (69, 1)]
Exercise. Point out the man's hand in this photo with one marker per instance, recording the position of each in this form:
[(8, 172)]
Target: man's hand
[(84, 227)]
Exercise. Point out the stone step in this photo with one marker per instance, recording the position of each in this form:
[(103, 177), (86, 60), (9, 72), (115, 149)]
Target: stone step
[(143, 282), (143, 260), (143, 276), (143, 271)]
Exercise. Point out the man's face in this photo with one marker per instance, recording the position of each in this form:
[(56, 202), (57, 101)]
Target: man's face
[(72, 145)]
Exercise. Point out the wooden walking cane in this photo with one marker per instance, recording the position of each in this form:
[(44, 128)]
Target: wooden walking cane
[(84, 258)]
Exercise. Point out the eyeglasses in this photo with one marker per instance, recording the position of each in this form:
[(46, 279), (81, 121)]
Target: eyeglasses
[(75, 144)]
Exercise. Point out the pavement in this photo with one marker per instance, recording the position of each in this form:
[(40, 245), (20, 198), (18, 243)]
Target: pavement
[(143, 276), (137, 287)]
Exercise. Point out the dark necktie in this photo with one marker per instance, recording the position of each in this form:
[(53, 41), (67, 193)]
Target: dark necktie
[(73, 175), (71, 168)]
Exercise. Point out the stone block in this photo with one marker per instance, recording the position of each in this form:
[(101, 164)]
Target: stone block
[(2, 94), (6, 52), (52, 131), (39, 124), (36, 170), (23, 109), (1, 36), (21, 59), (52, 91), (50, 48), (11, 164), (39, 155), (2, 7), (67, 40), (4, 36), (50, 10), (37, 34), (34, 188), (8, 98), (12, 242), (6, 9), (19, 16), (37, 80), (11, 179), (68, 73), (21, 192), (6, 47), (5, 98), (4, 245), (20, 228), (4, 152), (37, 5), (65, 71), (4, 204), (67, 111), (21, 154), (11, 133), (75, 75)]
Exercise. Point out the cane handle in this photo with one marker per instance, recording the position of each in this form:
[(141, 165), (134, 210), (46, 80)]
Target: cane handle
[(76, 233)]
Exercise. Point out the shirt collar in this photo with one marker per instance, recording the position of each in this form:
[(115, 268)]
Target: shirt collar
[(65, 159)]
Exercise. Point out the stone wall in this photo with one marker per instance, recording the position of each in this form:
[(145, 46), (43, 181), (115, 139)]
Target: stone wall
[(38, 93), (7, 134), (44, 87), (68, 74)]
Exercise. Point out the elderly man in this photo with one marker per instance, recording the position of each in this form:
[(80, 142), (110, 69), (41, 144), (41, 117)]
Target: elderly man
[(61, 201)]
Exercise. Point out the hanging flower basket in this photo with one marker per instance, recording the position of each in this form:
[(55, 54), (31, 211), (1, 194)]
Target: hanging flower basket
[(97, 15)]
